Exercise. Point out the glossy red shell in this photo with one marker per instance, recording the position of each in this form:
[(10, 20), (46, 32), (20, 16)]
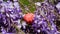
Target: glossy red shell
[(29, 17)]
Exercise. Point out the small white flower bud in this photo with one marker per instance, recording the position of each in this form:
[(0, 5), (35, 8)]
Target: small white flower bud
[(38, 4)]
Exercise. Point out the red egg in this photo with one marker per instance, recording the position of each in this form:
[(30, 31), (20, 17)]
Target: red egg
[(29, 17)]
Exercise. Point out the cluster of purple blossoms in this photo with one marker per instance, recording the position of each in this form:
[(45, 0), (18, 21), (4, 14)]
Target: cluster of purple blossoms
[(44, 19), (10, 13)]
